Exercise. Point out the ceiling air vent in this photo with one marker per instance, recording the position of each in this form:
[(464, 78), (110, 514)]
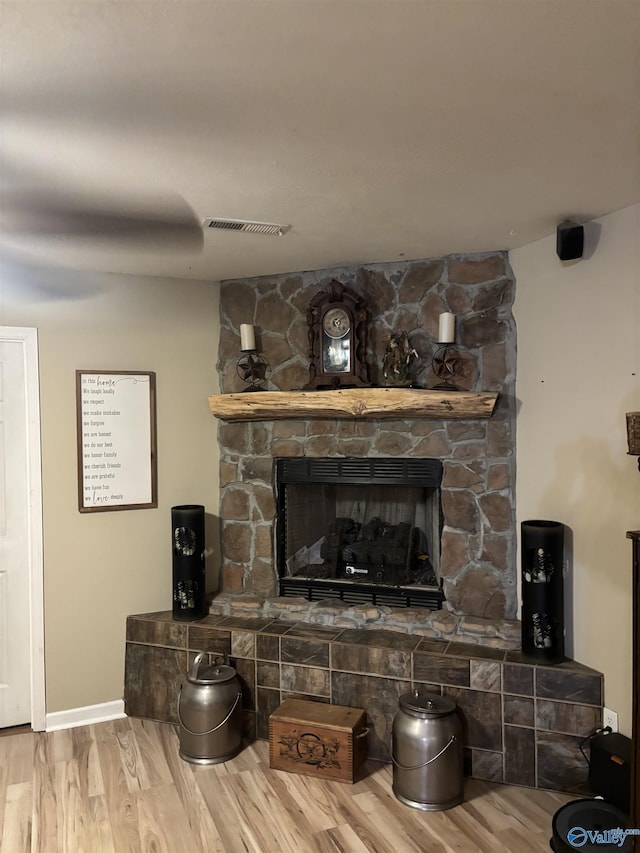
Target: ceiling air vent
[(270, 228)]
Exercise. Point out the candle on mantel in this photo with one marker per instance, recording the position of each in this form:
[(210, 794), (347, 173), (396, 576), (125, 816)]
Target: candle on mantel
[(247, 337), (447, 328)]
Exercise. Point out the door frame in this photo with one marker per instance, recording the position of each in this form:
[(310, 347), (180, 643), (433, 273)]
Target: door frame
[(28, 338)]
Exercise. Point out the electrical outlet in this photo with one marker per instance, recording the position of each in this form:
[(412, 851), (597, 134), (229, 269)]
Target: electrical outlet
[(610, 718)]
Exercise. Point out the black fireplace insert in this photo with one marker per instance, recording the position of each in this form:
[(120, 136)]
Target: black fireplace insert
[(362, 530)]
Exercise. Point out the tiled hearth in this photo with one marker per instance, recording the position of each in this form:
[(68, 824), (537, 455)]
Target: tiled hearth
[(523, 722)]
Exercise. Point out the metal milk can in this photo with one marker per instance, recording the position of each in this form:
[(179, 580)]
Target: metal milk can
[(427, 752), (210, 711)]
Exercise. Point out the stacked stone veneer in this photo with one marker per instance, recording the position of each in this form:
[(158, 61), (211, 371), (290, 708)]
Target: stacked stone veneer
[(478, 562), (502, 634)]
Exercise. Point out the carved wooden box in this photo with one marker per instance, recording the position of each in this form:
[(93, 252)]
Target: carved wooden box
[(315, 739)]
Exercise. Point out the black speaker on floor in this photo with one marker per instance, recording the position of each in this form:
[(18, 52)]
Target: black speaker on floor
[(187, 527), (569, 241), (610, 769)]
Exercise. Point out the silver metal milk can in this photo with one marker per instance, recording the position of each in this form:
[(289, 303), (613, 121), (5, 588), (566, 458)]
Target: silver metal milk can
[(427, 752), (210, 711)]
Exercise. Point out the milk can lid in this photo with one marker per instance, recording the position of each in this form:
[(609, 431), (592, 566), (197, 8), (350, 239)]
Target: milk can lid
[(427, 703), (211, 675)]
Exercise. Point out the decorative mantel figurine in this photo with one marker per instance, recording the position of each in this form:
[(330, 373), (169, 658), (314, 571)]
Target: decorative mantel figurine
[(399, 358)]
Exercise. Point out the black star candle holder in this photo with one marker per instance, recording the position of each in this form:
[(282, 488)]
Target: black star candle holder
[(446, 365), (253, 369)]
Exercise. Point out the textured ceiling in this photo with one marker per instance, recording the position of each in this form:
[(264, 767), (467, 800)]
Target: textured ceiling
[(377, 129)]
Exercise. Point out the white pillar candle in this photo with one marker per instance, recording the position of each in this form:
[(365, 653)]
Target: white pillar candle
[(447, 328), (247, 337)]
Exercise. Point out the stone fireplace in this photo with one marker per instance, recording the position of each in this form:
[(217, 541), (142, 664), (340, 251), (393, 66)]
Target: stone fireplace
[(523, 723), (478, 559)]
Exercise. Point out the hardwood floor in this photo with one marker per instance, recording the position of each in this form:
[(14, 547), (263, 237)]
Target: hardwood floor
[(121, 786), (14, 730)]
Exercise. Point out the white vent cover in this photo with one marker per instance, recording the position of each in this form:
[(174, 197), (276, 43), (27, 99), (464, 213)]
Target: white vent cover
[(271, 228)]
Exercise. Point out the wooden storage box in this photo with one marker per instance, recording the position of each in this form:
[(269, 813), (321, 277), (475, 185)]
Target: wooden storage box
[(315, 739)]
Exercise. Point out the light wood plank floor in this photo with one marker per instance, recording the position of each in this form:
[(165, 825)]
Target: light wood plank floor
[(121, 786)]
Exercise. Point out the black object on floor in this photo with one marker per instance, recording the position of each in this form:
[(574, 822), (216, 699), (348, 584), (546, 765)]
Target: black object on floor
[(610, 769), (590, 825)]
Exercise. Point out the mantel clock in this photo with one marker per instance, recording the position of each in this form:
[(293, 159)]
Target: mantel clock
[(337, 325)]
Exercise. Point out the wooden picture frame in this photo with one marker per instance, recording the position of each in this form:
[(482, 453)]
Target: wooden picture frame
[(116, 439)]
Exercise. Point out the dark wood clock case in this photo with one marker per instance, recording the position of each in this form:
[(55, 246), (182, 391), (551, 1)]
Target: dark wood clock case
[(337, 301)]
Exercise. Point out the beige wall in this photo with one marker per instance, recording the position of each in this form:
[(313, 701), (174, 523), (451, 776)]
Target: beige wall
[(101, 567), (578, 373)]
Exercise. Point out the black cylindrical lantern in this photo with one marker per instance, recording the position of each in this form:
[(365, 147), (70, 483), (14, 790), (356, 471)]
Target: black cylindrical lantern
[(542, 549), (187, 523)]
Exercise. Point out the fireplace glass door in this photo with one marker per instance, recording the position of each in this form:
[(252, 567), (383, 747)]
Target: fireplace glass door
[(359, 530)]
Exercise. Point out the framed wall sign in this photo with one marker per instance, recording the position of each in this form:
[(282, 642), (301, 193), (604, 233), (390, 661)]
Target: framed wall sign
[(116, 425)]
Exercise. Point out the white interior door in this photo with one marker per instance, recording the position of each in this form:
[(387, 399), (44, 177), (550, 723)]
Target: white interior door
[(21, 622)]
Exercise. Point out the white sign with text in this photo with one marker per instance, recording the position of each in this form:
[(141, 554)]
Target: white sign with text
[(116, 451)]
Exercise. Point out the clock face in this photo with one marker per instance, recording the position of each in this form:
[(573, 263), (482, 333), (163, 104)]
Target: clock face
[(336, 323)]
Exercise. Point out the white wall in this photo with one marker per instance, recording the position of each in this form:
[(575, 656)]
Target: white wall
[(578, 374), (101, 567)]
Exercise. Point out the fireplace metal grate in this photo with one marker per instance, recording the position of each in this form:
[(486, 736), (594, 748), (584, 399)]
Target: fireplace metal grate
[(384, 471), (353, 594)]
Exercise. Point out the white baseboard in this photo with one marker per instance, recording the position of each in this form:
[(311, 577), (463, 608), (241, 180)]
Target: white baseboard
[(84, 716)]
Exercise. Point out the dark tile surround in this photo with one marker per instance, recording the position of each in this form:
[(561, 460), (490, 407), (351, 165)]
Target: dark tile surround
[(523, 722)]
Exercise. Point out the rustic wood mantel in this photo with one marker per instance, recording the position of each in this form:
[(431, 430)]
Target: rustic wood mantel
[(352, 403)]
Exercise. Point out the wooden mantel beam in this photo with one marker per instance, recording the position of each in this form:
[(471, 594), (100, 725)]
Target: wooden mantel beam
[(343, 403)]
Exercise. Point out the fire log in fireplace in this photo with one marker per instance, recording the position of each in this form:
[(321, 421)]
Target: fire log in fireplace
[(360, 530)]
